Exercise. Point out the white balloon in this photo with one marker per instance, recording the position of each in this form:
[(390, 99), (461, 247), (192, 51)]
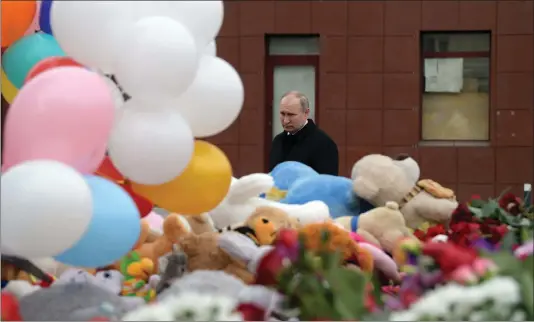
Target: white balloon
[(213, 102), (46, 208), (211, 49), (90, 31), (150, 147), (158, 59), (202, 18), (118, 98)]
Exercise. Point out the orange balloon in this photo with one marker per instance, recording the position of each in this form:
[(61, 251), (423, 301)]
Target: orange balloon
[(50, 63), (17, 17)]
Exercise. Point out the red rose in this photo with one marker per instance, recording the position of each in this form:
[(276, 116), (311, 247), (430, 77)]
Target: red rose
[(421, 235), (435, 230), (251, 312), (288, 238), (511, 203), (462, 214), (269, 267)]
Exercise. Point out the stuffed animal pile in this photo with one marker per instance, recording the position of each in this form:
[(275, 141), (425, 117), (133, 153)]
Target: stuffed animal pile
[(220, 252)]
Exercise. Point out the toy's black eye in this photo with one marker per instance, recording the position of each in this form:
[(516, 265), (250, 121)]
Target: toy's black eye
[(265, 221), (80, 272), (107, 275)]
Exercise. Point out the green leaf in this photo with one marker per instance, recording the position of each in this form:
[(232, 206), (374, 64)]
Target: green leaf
[(377, 290), (489, 209), (527, 290), (477, 212), (477, 203), (348, 287), (509, 240)]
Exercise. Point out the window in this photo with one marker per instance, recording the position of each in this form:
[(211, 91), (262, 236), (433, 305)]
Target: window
[(292, 63), (456, 83)]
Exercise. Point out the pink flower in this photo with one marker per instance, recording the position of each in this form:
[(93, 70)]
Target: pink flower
[(525, 250), (483, 266), (464, 275)]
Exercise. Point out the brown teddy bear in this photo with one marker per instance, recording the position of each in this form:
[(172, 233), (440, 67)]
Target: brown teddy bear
[(263, 225), (382, 226), (203, 253), (153, 245), (379, 179)]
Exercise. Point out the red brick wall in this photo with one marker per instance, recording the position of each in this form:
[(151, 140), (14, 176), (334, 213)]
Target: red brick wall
[(370, 82)]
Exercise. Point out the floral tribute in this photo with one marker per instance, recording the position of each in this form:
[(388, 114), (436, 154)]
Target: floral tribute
[(480, 267)]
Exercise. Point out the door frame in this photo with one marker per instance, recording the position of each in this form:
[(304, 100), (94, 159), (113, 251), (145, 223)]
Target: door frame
[(271, 62)]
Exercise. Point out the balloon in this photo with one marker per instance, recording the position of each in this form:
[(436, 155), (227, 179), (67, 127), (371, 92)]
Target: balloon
[(64, 114), (46, 208), (16, 18), (213, 102), (108, 171), (211, 49), (8, 90), (158, 59), (200, 188), (202, 18), (90, 31), (150, 147), (34, 25), (118, 98), (22, 56), (154, 220), (49, 63), (113, 230), (44, 16), (144, 205)]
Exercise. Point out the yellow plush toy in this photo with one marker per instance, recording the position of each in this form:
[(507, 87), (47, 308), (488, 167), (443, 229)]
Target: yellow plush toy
[(263, 225), (136, 271)]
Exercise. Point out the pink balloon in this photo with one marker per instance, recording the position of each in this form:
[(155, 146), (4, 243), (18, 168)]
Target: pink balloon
[(154, 220), (64, 114), (35, 23)]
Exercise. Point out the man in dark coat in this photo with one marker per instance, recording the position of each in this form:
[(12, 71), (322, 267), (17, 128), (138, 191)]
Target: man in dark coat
[(301, 139)]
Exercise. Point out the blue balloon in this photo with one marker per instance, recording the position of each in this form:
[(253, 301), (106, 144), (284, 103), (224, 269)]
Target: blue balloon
[(20, 57), (44, 16), (113, 230)]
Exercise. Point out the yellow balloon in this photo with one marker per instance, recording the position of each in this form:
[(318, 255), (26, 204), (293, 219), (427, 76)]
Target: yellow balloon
[(9, 91), (200, 188)]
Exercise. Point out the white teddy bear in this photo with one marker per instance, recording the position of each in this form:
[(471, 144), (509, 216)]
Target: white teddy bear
[(243, 199)]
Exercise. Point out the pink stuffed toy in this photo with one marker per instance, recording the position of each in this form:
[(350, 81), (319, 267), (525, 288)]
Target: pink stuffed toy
[(382, 261)]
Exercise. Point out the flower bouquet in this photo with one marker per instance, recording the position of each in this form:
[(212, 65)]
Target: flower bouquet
[(504, 222)]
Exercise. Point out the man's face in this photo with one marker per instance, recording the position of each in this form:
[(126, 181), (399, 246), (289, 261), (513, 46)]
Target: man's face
[(292, 116)]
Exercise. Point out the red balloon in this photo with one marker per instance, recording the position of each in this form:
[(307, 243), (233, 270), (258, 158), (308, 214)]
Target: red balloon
[(144, 205), (49, 63), (108, 171)]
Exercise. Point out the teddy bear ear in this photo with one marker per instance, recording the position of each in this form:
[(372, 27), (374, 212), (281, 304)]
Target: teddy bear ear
[(365, 188), (175, 226)]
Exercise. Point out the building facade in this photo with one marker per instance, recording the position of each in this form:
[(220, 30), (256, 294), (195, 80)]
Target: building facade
[(449, 82), (370, 69)]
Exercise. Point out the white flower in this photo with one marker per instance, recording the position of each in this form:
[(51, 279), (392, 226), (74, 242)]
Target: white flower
[(155, 312), (188, 307), (453, 301)]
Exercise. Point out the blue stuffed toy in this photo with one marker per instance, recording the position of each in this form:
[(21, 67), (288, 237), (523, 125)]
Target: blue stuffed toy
[(296, 183)]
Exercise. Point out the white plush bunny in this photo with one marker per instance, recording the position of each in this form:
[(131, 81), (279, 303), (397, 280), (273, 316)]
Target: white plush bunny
[(243, 199)]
